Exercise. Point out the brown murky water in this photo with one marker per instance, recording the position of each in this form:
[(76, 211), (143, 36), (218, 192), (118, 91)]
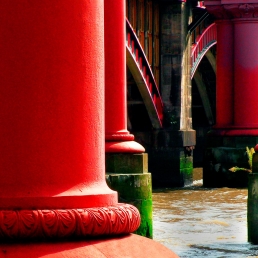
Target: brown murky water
[(199, 222)]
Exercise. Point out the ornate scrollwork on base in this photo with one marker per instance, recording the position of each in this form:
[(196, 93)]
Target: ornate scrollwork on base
[(34, 224)]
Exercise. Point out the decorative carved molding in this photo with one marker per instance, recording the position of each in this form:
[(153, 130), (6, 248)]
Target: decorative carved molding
[(243, 10), (51, 224), (219, 12), (233, 11)]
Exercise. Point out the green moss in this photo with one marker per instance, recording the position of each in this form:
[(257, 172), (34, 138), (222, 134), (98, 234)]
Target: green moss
[(131, 186), (145, 209), (135, 189), (187, 171), (186, 163)]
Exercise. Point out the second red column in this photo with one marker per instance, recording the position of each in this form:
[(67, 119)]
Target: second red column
[(118, 139)]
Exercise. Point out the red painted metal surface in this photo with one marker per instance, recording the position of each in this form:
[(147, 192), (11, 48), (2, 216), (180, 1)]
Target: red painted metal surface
[(204, 42), (68, 223), (52, 115), (118, 139), (245, 73), (52, 136), (52, 105), (141, 71), (225, 76)]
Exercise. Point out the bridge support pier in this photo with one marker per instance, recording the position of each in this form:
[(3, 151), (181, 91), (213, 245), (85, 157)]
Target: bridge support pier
[(128, 175), (170, 148), (237, 85)]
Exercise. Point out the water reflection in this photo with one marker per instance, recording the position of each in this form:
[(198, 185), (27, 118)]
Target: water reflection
[(199, 222)]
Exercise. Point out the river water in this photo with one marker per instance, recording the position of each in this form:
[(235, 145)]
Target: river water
[(200, 222)]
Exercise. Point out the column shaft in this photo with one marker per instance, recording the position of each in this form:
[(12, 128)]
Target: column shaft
[(118, 139), (246, 73), (224, 83), (52, 105)]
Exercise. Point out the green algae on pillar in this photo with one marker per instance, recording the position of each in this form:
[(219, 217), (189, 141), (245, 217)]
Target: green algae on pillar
[(135, 189), (130, 178)]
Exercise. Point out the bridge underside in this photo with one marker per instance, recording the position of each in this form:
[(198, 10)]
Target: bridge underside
[(168, 139)]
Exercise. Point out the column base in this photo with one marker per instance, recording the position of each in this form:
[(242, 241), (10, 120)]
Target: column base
[(122, 142), (124, 147), (234, 131), (60, 224)]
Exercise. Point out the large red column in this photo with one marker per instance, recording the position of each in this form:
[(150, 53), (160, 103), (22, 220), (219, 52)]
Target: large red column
[(224, 79), (52, 122), (52, 175), (118, 139), (246, 72)]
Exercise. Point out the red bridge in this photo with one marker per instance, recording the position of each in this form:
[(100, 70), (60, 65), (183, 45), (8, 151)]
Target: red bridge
[(203, 40)]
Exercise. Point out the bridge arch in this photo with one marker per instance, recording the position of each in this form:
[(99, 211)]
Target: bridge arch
[(203, 44), (140, 69), (143, 76), (202, 47)]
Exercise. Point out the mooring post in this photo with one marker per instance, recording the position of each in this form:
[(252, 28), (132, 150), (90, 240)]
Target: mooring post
[(252, 204)]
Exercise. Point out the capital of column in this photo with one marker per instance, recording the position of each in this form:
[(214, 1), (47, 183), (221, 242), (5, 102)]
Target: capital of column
[(217, 10), (233, 9), (242, 11)]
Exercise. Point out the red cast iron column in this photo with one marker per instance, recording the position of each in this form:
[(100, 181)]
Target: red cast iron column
[(245, 66), (224, 82), (246, 72), (118, 139), (225, 66), (52, 122)]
